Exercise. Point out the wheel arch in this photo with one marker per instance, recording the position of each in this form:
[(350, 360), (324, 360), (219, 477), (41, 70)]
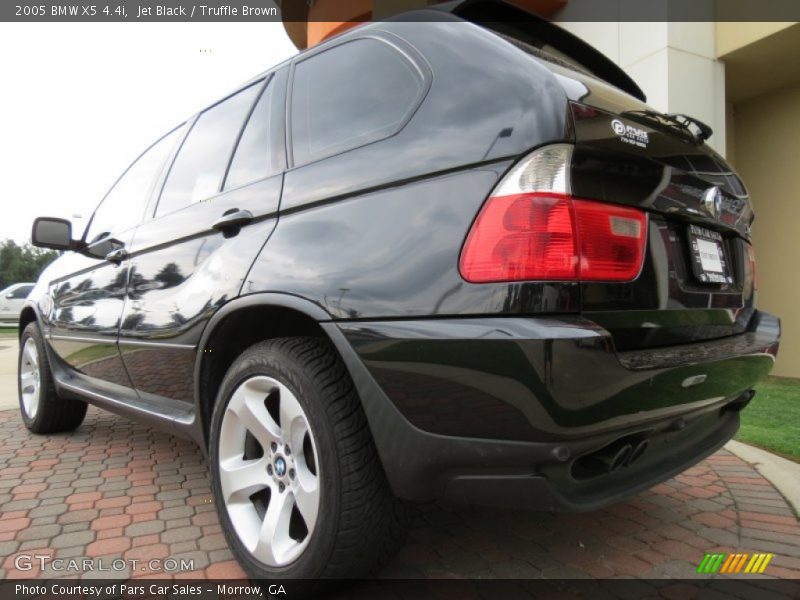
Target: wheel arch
[(235, 327), (26, 317)]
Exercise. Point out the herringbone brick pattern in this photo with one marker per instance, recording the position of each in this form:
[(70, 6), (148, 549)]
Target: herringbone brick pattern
[(116, 489)]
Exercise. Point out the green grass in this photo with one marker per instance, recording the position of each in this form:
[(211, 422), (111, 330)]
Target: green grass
[(8, 331), (772, 419)]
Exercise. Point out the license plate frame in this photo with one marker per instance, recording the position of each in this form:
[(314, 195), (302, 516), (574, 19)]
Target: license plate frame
[(708, 257)]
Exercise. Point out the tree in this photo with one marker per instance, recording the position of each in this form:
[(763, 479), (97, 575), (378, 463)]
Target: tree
[(22, 263)]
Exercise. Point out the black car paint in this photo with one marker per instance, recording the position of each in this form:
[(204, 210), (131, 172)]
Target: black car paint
[(459, 381)]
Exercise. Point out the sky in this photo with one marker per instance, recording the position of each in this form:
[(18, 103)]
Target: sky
[(80, 101)]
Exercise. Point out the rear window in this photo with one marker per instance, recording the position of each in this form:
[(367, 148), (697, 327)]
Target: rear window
[(351, 95)]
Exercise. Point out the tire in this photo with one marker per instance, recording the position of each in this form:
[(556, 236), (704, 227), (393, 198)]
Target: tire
[(43, 411), (358, 523)]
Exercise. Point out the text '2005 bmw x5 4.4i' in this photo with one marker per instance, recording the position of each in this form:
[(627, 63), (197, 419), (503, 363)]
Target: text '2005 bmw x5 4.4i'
[(423, 259)]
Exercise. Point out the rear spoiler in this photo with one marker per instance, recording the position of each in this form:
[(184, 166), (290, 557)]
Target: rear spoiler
[(527, 27)]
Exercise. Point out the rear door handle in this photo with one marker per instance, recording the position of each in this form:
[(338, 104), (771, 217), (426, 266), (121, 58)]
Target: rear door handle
[(233, 219), (117, 256)]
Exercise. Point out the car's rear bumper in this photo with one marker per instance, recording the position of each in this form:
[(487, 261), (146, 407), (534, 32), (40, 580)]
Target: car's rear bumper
[(524, 411)]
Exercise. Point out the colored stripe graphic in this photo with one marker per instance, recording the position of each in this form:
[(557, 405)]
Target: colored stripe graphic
[(715, 566), (728, 563), (701, 568), (765, 562), (741, 563), (753, 562), (734, 563), (730, 566)]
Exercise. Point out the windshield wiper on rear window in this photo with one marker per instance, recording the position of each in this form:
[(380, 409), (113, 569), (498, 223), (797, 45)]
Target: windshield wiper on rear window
[(695, 128)]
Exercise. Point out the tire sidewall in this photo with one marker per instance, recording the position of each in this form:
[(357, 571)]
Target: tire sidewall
[(32, 332), (272, 362)]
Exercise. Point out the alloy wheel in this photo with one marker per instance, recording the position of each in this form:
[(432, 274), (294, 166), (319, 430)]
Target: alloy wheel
[(269, 471), (30, 378)]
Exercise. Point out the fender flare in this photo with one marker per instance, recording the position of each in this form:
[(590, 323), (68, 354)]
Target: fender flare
[(260, 299), (37, 316)]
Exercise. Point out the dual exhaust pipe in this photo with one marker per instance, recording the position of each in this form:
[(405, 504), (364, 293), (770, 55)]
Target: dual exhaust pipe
[(612, 458)]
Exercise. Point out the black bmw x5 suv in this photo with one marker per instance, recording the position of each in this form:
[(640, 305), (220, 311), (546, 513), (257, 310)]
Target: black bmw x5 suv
[(440, 258)]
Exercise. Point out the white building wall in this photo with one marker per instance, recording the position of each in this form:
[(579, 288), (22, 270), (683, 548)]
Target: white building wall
[(674, 63)]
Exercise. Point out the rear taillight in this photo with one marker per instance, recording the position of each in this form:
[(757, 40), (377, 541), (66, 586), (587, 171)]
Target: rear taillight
[(532, 229)]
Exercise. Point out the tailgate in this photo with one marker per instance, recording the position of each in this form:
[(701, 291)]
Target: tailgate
[(697, 282)]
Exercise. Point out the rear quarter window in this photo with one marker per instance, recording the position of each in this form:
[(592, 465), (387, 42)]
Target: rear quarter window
[(351, 95)]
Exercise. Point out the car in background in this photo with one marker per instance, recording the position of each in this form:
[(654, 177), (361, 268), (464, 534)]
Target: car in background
[(12, 299)]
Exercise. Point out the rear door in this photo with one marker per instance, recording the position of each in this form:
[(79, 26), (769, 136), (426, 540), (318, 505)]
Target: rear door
[(229, 167), (88, 296)]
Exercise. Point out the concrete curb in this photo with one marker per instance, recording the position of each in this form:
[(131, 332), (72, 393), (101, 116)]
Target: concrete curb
[(781, 472)]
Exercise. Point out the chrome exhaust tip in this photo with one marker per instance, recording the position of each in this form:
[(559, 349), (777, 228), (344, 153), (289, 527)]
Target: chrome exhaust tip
[(639, 448), (610, 459)]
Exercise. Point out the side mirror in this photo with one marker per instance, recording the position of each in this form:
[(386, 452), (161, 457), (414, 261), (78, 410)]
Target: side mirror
[(10, 296), (56, 234)]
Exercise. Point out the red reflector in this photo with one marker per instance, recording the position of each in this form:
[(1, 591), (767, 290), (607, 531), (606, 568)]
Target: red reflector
[(551, 237), (751, 260)]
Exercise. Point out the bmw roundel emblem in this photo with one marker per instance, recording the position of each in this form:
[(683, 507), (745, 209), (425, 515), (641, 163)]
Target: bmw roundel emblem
[(280, 467), (712, 201)]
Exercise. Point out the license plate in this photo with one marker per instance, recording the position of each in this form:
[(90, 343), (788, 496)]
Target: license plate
[(708, 256)]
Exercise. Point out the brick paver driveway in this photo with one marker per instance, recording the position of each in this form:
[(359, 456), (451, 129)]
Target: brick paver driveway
[(117, 489)]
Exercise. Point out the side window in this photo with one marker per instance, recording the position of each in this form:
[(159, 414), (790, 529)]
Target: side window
[(253, 159), (21, 292), (123, 206), (351, 95), (200, 166)]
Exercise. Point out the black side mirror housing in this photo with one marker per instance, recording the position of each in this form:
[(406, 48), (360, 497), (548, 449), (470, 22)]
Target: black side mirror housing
[(53, 233)]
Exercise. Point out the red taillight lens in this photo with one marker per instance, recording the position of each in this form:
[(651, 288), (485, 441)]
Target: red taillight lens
[(519, 237), (550, 236), (611, 241)]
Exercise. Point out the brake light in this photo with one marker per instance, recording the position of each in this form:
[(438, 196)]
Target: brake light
[(533, 229)]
